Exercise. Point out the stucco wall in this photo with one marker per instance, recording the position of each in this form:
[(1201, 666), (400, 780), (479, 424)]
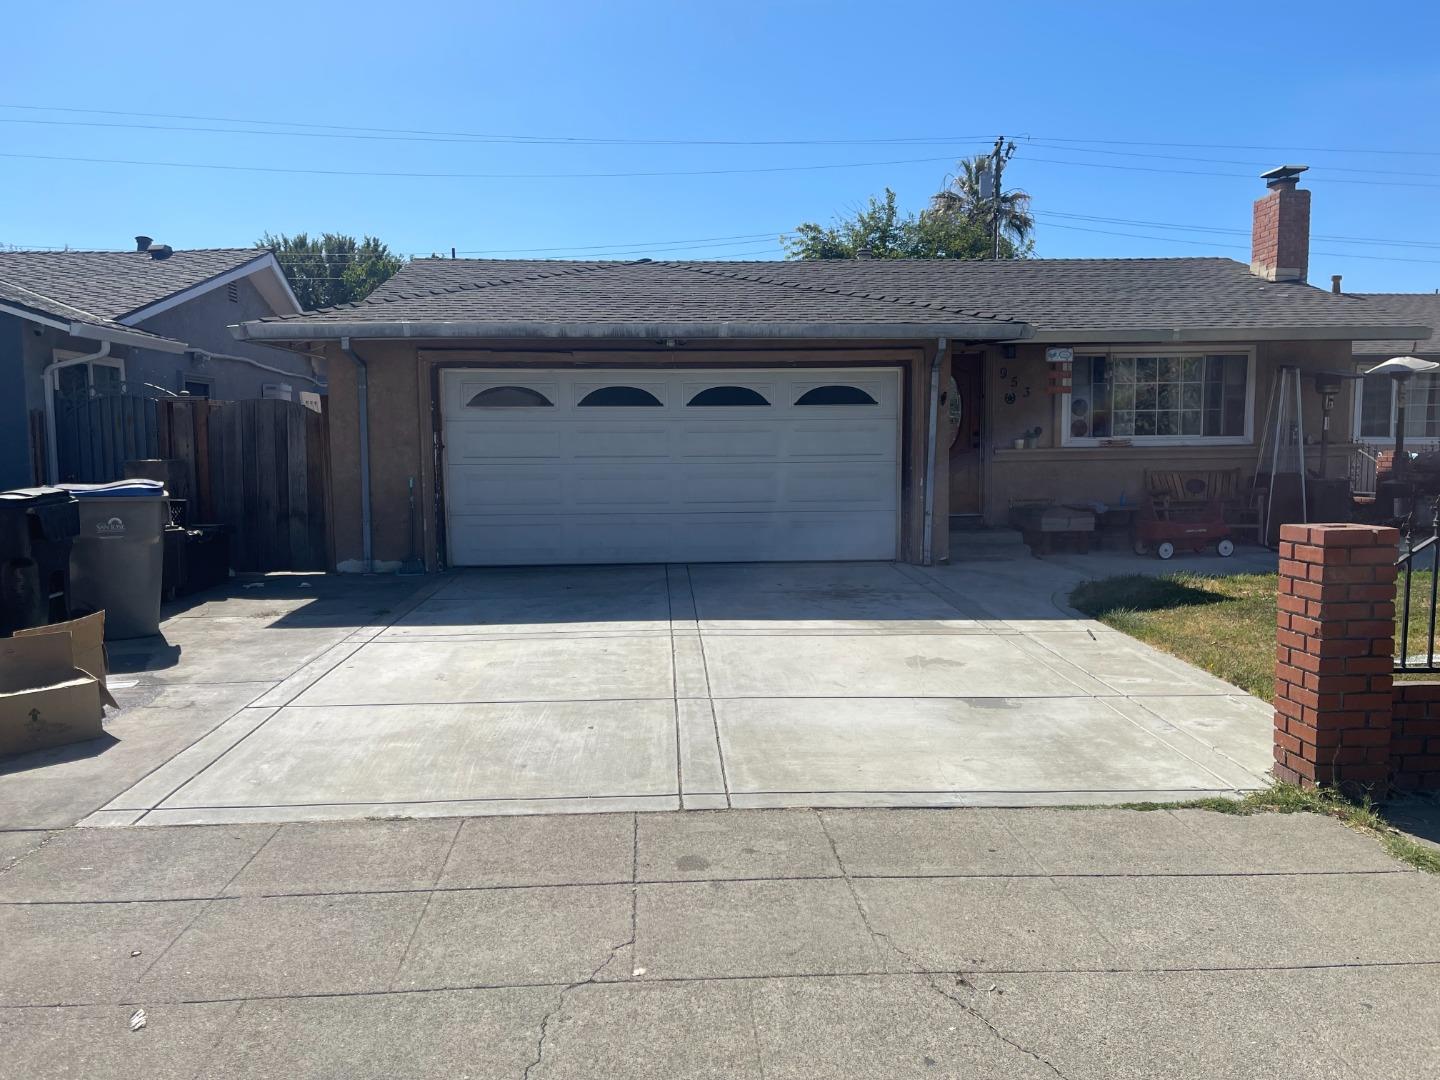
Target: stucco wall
[(204, 323), (1104, 474)]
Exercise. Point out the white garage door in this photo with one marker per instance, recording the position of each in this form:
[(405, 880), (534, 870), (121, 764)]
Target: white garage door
[(617, 466)]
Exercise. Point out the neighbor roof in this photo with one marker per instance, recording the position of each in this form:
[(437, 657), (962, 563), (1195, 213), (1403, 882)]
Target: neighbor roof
[(32, 305), (115, 284), (1421, 308), (1056, 299)]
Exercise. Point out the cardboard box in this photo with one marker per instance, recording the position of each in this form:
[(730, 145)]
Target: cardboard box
[(87, 640), (46, 698)]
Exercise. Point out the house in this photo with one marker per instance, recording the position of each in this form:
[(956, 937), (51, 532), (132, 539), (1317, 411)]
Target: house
[(605, 412), (1374, 420), (82, 326)]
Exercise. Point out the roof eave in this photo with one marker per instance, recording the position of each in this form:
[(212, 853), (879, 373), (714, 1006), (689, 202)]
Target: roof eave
[(1236, 333), (308, 330), (79, 328)]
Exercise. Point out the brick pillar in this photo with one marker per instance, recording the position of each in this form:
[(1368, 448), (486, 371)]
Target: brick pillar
[(1333, 659)]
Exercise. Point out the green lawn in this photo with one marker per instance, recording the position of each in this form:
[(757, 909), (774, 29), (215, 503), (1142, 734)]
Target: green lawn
[(1225, 625)]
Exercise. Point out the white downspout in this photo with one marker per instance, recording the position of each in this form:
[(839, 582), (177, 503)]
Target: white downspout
[(928, 543), (47, 378)]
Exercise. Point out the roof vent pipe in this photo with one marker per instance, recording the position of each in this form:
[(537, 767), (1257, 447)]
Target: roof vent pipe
[(160, 251), (142, 243), (1335, 284), (864, 253)]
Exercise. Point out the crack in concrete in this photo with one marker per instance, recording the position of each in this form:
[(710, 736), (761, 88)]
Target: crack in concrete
[(880, 937), (50, 835), (615, 950)]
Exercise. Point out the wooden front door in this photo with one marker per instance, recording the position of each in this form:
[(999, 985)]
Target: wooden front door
[(966, 413)]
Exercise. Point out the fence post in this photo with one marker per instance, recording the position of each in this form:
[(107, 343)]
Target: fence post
[(1334, 655)]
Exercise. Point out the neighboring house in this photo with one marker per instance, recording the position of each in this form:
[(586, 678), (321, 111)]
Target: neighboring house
[(81, 325), (1375, 405), (608, 412)]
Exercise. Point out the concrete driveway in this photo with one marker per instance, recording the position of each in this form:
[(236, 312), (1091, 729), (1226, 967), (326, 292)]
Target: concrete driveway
[(665, 687)]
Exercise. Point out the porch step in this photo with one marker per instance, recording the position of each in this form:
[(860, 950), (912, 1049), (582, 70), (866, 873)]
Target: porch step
[(981, 545)]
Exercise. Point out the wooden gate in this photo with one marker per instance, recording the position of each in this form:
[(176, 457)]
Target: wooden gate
[(259, 467)]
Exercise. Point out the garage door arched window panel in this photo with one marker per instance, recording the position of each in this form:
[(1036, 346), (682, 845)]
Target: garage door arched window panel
[(509, 397), (620, 397), (725, 397), (836, 394)]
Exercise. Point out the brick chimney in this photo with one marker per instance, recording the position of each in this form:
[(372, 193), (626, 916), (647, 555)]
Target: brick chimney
[(1280, 236)]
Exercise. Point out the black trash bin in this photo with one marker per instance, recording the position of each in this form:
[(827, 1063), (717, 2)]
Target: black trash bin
[(37, 528)]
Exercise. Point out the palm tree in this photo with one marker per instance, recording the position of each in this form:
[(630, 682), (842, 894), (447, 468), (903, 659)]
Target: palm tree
[(961, 195)]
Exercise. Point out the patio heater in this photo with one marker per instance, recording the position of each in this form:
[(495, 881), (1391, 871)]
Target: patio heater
[(1402, 369)]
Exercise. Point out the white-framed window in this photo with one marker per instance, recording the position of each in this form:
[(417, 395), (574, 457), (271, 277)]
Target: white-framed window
[(1160, 397), (1375, 408), (96, 377)]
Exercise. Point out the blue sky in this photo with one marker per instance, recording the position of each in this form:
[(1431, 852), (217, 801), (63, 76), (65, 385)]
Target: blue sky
[(1093, 86)]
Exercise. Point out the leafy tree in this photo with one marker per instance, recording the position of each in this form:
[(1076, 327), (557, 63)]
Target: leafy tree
[(331, 269), (881, 230), (961, 195)]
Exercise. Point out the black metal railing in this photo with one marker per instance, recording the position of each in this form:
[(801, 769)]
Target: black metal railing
[(1418, 541)]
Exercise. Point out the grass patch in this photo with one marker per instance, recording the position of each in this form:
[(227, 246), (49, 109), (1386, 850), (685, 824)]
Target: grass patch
[(1225, 625), (1291, 799)]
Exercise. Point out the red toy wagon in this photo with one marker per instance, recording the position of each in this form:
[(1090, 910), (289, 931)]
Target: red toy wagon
[(1186, 509)]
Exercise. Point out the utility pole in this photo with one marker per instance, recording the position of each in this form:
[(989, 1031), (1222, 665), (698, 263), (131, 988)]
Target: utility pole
[(1003, 152), (998, 160)]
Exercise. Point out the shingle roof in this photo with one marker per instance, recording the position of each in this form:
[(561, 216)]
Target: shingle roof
[(1054, 296), (1420, 308), (113, 284), (18, 296)]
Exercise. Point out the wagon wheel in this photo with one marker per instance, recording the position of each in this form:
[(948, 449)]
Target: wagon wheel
[(1225, 548), (1165, 550)]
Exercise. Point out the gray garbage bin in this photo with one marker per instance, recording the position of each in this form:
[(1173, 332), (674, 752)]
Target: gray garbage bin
[(118, 560)]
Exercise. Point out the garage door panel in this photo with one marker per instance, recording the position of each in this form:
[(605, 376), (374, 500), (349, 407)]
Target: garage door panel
[(504, 442), (728, 487), (487, 488), (618, 440), (840, 438), (462, 387), (840, 487), (621, 488), (728, 440), (628, 483)]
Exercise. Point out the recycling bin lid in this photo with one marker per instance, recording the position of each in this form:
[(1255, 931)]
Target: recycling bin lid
[(120, 489), (36, 495)]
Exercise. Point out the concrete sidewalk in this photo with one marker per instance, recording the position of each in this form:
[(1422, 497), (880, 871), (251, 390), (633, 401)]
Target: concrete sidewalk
[(767, 944)]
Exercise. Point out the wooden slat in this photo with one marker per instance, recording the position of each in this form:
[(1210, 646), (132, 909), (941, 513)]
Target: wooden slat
[(204, 489), (316, 488), (295, 476), (262, 482)]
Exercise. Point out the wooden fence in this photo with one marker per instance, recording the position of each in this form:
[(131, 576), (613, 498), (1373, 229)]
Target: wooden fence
[(260, 467)]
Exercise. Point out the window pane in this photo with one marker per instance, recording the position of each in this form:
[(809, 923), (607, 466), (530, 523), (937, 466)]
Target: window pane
[(1422, 408), (727, 395), (1145, 368), (1144, 423), (509, 397), (1123, 369), (835, 395), (106, 378), (1124, 423), (620, 397), (1375, 400)]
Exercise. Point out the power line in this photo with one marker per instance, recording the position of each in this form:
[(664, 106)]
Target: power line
[(1221, 243), (1202, 172), (466, 136), (476, 176), (1236, 146), (1217, 161), (1239, 232)]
